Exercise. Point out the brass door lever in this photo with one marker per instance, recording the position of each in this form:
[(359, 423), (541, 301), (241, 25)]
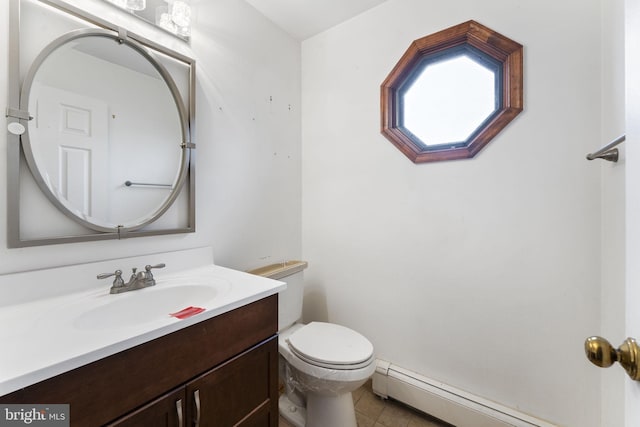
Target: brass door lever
[(601, 353)]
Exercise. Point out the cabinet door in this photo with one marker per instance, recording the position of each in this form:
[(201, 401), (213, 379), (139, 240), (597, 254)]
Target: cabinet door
[(166, 411), (242, 392)]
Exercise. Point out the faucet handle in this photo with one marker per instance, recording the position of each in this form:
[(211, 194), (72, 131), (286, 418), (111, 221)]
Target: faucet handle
[(117, 281), (148, 268)]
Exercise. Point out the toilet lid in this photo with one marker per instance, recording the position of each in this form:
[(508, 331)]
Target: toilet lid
[(331, 346)]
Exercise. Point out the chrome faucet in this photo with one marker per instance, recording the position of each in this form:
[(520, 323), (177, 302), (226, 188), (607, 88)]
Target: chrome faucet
[(138, 279)]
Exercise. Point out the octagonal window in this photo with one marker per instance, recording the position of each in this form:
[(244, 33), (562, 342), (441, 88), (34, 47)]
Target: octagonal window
[(449, 99), (452, 92)]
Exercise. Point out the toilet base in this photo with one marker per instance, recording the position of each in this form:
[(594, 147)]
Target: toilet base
[(330, 411), (321, 411), (294, 414)]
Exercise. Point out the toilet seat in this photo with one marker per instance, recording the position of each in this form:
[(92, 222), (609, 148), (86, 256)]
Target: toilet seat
[(331, 346)]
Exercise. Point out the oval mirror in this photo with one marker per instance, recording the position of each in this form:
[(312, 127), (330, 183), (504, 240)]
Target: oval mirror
[(107, 143)]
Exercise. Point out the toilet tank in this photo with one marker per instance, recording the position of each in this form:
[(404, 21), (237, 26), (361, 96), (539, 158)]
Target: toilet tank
[(289, 300)]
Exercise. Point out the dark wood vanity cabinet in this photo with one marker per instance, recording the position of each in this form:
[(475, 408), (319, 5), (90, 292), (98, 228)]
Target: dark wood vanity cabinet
[(220, 372), (236, 393)]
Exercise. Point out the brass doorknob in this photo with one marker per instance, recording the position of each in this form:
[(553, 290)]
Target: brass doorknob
[(602, 354)]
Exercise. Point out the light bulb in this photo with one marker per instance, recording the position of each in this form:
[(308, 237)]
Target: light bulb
[(163, 19), (180, 13), (136, 4)]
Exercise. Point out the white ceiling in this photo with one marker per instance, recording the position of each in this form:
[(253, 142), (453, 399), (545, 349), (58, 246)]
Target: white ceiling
[(305, 18)]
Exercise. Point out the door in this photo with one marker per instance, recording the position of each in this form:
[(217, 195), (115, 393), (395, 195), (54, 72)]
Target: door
[(242, 392), (69, 135), (632, 181)]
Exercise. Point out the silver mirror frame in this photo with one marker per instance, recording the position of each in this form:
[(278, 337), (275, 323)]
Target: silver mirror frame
[(18, 146), (27, 146)]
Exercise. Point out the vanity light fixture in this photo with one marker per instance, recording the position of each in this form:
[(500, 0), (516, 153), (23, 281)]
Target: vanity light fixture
[(131, 5), (175, 17), (170, 15), (119, 3), (136, 4), (180, 13)]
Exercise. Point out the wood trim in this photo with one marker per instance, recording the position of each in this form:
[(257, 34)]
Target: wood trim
[(502, 49)]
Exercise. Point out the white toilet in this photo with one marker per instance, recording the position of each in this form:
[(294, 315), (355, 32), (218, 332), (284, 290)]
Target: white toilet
[(320, 363)]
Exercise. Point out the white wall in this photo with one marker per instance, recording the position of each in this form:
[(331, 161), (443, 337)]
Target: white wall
[(248, 148), (482, 273)]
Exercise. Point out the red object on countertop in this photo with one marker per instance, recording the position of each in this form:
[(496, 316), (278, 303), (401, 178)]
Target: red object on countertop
[(187, 312)]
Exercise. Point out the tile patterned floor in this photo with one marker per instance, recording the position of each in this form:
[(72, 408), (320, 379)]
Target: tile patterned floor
[(371, 411)]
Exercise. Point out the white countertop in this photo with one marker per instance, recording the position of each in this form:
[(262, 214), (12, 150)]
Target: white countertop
[(46, 337)]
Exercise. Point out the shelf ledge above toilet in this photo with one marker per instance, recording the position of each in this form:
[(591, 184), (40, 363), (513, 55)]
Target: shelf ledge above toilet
[(279, 270)]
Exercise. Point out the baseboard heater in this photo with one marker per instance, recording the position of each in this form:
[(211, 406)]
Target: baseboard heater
[(453, 406)]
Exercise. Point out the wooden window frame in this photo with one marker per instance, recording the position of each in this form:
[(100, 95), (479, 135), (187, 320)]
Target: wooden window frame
[(502, 49)]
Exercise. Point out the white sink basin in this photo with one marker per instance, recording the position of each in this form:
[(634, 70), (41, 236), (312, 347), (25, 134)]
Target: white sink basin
[(150, 304), (87, 323)]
